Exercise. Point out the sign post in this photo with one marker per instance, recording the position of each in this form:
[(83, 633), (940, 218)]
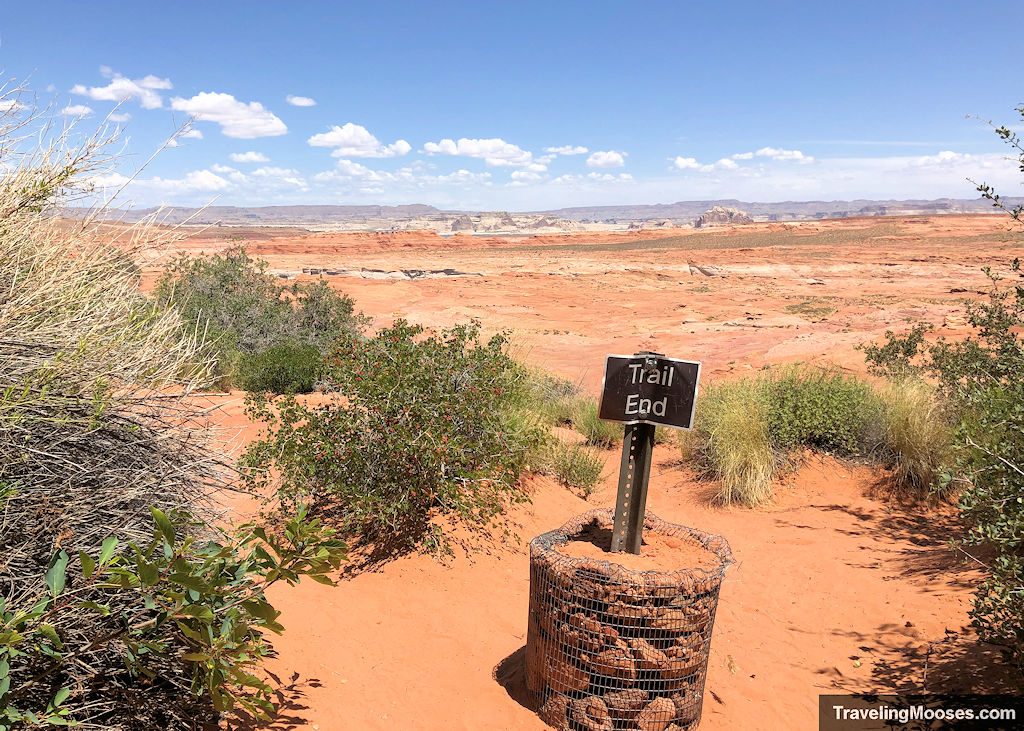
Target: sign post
[(643, 391)]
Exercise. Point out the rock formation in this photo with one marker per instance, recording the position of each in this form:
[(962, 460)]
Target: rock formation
[(720, 215)]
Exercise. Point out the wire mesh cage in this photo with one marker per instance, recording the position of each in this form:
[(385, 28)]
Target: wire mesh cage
[(611, 648)]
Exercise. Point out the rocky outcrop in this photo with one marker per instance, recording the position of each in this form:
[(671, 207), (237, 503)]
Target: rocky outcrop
[(463, 223), (720, 216)]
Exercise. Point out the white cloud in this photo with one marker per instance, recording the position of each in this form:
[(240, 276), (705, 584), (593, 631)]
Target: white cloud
[(300, 101), (236, 119), (494, 151), (117, 117), (410, 177), (525, 175), (191, 133), (10, 105), (76, 110), (684, 163), (743, 156), (250, 156), (723, 164), (610, 178), (288, 176), (122, 88), (567, 150), (943, 158), (778, 154), (606, 159), (354, 140)]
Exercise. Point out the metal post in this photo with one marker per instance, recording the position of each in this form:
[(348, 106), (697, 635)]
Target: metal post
[(631, 500)]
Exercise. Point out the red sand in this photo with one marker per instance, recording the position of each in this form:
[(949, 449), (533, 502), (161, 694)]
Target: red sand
[(657, 552)]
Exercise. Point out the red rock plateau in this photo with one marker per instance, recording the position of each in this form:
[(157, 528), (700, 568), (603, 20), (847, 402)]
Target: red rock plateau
[(836, 587)]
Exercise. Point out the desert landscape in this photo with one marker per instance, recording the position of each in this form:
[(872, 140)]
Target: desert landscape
[(556, 367), (421, 644)]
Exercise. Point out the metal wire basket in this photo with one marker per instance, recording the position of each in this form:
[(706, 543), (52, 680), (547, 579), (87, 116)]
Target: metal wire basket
[(610, 648)]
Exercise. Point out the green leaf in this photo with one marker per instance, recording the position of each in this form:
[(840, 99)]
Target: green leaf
[(195, 656), (190, 582), (321, 579), (148, 573), (189, 632), (163, 523), (108, 548), (88, 564), (56, 574), (50, 633), (62, 695), (203, 614), (101, 608)]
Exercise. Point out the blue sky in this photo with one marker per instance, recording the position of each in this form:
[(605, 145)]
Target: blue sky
[(525, 105)]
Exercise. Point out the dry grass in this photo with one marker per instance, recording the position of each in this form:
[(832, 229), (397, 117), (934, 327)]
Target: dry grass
[(731, 439), (916, 435), (98, 418)]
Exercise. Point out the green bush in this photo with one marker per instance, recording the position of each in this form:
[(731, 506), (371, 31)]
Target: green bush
[(285, 368), (244, 311), (982, 379), (179, 606), (818, 407), (576, 466), (422, 425), (746, 430)]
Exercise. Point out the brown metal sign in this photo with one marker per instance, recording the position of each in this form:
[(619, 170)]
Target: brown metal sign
[(648, 388)]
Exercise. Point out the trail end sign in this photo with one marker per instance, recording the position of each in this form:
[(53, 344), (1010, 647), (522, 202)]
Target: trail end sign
[(643, 391), (648, 388)]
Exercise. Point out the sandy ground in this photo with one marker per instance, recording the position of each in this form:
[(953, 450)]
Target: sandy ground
[(836, 588)]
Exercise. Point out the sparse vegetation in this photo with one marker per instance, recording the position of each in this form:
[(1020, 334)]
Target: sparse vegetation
[(815, 308), (747, 430), (101, 437), (421, 425), (576, 466), (245, 312)]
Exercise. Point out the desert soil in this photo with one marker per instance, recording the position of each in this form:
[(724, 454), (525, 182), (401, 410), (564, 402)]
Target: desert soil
[(836, 587)]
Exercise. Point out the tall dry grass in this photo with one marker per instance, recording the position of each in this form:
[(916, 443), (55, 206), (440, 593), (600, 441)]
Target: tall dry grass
[(916, 435), (731, 440), (98, 418)]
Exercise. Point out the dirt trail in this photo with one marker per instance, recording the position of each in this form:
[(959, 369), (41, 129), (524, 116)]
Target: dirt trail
[(832, 590)]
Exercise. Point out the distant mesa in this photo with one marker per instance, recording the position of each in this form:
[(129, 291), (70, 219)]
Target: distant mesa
[(721, 216), (463, 223)]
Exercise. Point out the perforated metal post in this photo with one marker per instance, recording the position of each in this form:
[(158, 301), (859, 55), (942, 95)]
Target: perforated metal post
[(631, 500)]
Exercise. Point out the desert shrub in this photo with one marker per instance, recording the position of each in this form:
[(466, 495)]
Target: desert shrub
[(190, 617), (817, 407), (915, 436), (598, 433), (98, 421), (980, 377), (746, 430), (574, 465), (553, 398), (731, 441), (284, 368), (420, 425), (244, 311)]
